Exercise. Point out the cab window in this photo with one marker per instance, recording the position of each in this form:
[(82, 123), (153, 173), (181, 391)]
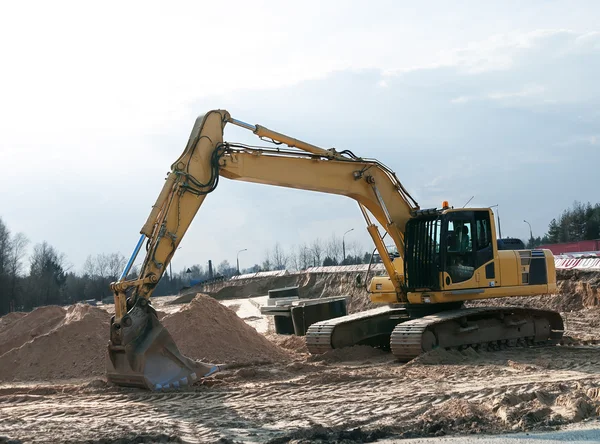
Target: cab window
[(483, 241), (459, 250)]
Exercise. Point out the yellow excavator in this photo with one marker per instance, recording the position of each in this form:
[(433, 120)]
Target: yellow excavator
[(446, 256)]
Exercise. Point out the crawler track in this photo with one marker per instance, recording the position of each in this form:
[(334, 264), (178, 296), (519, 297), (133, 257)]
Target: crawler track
[(371, 327), (491, 327)]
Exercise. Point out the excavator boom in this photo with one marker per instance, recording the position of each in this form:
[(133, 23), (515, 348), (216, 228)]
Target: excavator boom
[(141, 351)]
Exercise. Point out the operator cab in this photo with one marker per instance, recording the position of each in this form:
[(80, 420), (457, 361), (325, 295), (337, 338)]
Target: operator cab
[(445, 247)]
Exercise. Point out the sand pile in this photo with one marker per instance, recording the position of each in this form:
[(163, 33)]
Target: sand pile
[(75, 347), (581, 286), (296, 344), (18, 328), (10, 318), (211, 332), (54, 343)]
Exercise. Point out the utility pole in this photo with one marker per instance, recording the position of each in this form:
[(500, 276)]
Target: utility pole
[(171, 269), (344, 244), (530, 234), (237, 259)]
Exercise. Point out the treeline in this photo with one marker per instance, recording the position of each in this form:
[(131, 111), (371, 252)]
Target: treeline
[(45, 277), (581, 222), (296, 258), (578, 223), (332, 251)]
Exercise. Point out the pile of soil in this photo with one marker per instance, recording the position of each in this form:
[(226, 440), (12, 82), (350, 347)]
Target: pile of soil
[(207, 330), (580, 286), (18, 328), (296, 344), (8, 319), (74, 348), (54, 343)]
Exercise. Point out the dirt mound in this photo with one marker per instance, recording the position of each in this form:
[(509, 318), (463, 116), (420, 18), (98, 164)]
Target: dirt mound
[(582, 288), (10, 318), (211, 332), (294, 343), (16, 330), (74, 348)]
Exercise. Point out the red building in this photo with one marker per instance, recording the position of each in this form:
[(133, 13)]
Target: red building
[(573, 247)]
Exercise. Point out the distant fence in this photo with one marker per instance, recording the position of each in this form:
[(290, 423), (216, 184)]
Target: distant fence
[(577, 264), (581, 255), (345, 268), (260, 274)]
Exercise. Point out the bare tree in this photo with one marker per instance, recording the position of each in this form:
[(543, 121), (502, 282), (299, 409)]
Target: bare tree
[(354, 248), (280, 259), (305, 257), (317, 252), (267, 265), (17, 254), (334, 248), (102, 265), (225, 269), (5, 249), (116, 264), (89, 266), (294, 260), (47, 274)]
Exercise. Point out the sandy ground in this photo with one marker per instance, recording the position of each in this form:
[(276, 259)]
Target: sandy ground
[(353, 395), (330, 399)]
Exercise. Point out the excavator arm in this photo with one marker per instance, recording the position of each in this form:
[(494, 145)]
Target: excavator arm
[(138, 341)]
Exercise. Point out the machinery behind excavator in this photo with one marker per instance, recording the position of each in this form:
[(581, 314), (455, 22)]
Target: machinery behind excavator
[(446, 256)]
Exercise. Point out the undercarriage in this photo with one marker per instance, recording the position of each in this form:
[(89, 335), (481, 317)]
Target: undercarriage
[(409, 332)]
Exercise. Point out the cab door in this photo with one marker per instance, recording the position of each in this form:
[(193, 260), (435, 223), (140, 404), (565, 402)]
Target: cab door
[(486, 265), (468, 257)]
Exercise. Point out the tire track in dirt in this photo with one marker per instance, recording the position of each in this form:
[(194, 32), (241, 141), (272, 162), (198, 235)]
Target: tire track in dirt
[(251, 412), (274, 401)]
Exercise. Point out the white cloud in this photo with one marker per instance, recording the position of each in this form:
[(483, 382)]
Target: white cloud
[(528, 91), (462, 99)]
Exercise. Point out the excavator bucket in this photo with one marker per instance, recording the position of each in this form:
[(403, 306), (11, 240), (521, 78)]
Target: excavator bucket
[(142, 353)]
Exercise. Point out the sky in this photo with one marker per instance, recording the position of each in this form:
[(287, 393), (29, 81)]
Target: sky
[(496, 101)]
